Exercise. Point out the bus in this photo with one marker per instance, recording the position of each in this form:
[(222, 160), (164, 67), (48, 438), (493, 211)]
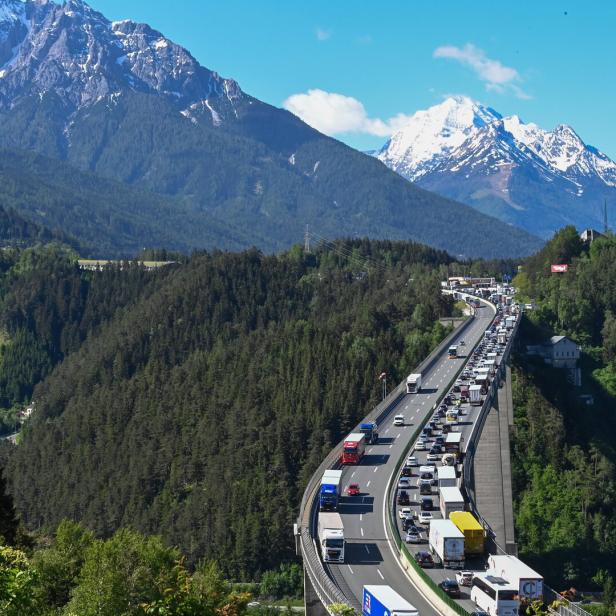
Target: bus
[(453, 351), (495, 595)]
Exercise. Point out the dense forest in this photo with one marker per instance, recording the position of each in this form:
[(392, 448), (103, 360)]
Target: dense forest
[(564, 449), (195, 401)]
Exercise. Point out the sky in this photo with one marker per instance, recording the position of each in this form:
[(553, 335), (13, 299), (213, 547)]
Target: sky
[(357, 69)]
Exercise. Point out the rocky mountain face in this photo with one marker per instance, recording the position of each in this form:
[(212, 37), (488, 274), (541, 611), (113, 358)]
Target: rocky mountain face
[(537, 179), (121, 101)]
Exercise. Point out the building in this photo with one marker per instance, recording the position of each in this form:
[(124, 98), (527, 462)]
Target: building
[(590, 235), (560, 352)]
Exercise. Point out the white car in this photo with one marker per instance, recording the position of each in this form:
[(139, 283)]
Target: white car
[(405, 512), (404, 483), (433, 457), (411, 461), (399, 420), (425, 517), (420, 445)]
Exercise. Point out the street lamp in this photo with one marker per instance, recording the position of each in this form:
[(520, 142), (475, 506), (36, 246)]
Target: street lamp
[(383, 379)]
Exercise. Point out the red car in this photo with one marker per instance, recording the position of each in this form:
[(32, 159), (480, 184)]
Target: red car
[(353, 490)]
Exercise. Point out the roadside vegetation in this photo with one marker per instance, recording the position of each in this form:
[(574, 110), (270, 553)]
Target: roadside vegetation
[(564, 449)]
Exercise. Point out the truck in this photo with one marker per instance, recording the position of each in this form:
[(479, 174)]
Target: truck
[(474, 393), (452, 353), (474, 534), (509, 322), (331, 537), (381, 600), (353, 448), (447, 477), (331, 486), (413, 383), (369, 428), (447, 542), (451, 500), (453, 442), (528, 581)]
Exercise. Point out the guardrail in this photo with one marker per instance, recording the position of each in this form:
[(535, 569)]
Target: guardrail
[(323, 585)]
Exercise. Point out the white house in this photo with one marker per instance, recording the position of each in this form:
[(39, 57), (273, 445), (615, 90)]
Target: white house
[(562, 352)]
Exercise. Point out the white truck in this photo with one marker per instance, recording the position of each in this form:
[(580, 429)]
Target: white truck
[(381, 600), (331, 537), (447, 542), (528, 581), (451, 500), (474, 392), (413, 384), (447, 477)]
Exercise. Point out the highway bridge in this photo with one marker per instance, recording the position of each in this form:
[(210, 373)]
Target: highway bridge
[(372, 555)]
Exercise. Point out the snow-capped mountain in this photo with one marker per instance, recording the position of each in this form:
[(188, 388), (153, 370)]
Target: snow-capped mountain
[(75, 53), (519, 172)]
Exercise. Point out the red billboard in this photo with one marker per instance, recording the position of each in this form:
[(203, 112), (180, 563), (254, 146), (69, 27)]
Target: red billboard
[(558, 269)]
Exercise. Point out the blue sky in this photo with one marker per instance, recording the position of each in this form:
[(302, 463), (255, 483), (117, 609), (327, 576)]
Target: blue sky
[(549, 62)]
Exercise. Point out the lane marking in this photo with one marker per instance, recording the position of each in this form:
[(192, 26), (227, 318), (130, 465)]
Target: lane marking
[(380, 574), (351, 570), (352, 473), (361, 517), (368, 485), (367, 548), (390, 446), (376, 468), (361, 530)]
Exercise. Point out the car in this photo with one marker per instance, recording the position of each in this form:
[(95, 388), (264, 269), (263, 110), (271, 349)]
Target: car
[(399, 420), (404, 483), (424, 517), (408, 523), (426, 432), (424, 482), (353, 490), (411, 461), (433, 457), (403, 498), (456, 386), (426, 504), (420, 445), (426, 475), (424, 559), (404, 512), (450, 587), (439, 440), (446, 428), (436, 448), (461, 343), (464, 578), (425, 489), (407, 471), (412, 536)]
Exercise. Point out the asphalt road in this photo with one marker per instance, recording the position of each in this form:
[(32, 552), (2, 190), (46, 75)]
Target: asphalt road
[(370, 558)]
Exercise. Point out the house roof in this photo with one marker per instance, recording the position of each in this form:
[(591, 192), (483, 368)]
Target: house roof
[(557, 339)]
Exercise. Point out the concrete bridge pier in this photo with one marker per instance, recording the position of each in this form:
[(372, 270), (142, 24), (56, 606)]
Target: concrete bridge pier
[(312, 603)]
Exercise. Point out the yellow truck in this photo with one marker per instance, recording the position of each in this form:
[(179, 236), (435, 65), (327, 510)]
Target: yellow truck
[(474, 534)]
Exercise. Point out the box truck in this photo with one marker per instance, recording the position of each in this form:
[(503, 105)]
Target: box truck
[(451, 499), (331, 537), (413, 384), (354, 448), (474, 534), (331, 486), (447, 477), (528, 581), (385, 601), (447, 542), (369, 428), (474, 392)]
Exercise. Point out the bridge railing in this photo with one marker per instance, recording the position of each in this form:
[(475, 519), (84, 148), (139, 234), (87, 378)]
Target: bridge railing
[(325, 588)]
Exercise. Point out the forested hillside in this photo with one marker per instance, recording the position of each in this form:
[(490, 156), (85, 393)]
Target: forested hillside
[(564, 449), (205, 395)]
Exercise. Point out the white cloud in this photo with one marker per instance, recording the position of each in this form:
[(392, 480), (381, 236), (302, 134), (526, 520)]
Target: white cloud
[(322, 34), (497, 76), (333, 114)]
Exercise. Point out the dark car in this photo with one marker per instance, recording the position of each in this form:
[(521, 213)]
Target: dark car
[(425, 488), (427, 431), (439, 440), (436, 449), (408, 524), (426, 504), (479, 613), (451, 588), (403, 498), (424, 559), (407, 471), (446, 428)]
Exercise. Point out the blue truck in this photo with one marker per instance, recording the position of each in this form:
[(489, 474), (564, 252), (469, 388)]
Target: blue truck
[(331, 486), (370, 430), (385, 601)]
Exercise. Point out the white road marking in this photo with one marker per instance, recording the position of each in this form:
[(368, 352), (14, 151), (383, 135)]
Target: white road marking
[(351, 570), (415, 496), (397, 435), (352, 473), (386, 431), (361, 517), (376, 468), (367, 549), (390, 446), (361, 530), (368, 485), (379, 574)]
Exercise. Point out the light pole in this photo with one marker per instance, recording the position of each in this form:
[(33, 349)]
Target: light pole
[(383, 379)]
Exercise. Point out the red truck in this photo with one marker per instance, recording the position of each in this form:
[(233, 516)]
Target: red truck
[(354, 448)]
